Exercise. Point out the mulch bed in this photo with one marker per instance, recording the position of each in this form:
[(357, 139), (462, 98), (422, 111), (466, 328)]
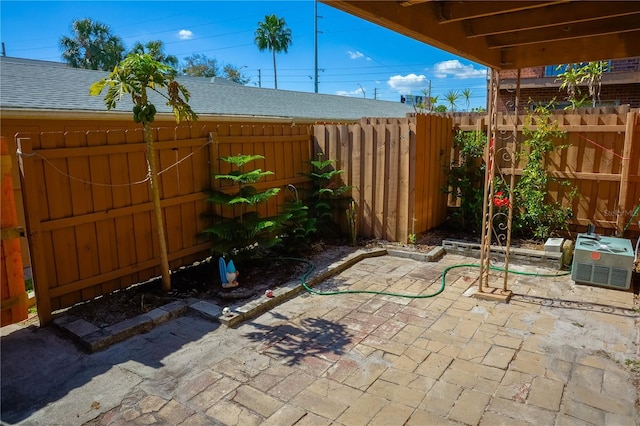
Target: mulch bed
[(201, 281)]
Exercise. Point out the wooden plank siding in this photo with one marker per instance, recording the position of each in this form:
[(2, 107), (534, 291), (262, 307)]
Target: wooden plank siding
[(601, 159), (88, 203), (396, 168)]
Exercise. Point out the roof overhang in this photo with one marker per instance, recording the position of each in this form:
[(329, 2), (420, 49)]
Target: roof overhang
[(512, 34)]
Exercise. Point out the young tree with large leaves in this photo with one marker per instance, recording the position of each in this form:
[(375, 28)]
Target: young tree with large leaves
[(272, 34), (155, 48), (92, 46), (134, 76)]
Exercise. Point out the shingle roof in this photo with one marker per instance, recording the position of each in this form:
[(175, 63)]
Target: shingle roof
[(39, 85)]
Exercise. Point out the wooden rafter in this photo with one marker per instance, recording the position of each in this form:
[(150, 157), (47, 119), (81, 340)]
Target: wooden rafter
[(561, 14), (511, 34), (566, 32), (451, 11)]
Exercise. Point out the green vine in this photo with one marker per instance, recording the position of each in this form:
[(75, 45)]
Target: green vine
[(536, 213)]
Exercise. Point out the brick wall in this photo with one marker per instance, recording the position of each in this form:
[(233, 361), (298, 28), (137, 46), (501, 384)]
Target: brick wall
[(533, 72), (619, 94)]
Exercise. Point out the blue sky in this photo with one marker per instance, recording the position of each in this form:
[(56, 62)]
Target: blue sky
[(355, 57)]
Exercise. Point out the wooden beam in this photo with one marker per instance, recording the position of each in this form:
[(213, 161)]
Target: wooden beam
[(407, 3), (560, 14), (612, 46), (566, 32), (450, 11)]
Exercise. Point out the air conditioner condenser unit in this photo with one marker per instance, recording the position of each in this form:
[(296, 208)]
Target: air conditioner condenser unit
[(603, 261)]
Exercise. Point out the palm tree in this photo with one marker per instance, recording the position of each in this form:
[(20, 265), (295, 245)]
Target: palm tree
[(155, 48), (272, 34), (433, 100), (466, 93), (452, 96), (133, 76), (92, 46)]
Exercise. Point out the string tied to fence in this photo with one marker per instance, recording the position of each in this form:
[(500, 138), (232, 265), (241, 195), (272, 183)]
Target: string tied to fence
[(604, 148), (146, 178), (77, 179)]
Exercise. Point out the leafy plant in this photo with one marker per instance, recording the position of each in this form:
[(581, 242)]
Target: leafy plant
[(466, 94), (245, 232), (136, 74), (576, 74), (452, 97), (536, 213), (328, 193), (300, 227), (465, 178)]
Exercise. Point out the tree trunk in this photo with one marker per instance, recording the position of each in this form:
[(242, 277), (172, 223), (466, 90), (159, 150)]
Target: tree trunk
[(157, 209), (275, 73)]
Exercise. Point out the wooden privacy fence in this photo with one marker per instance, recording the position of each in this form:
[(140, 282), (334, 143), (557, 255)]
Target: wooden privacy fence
[(14, 295), (601, 159), (396, 168), (88, 203)]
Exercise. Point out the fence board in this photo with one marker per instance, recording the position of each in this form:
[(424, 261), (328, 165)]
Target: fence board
[(379, 180), (392, 174), (394, 166)]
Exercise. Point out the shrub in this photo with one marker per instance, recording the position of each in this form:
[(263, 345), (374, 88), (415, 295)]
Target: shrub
[(245, 233), (465, 178)]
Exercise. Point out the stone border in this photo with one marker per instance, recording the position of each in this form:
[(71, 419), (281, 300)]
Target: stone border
[(92, 338), (518, 255)]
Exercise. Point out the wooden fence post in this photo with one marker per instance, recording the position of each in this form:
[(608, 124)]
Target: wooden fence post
[(624, 175), (14, 295)]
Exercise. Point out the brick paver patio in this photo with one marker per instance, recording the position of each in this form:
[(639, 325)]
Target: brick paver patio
[(557, 354)]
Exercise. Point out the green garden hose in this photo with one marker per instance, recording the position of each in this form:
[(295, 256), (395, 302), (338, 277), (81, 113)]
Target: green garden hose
[(311, 267), (635, 212)]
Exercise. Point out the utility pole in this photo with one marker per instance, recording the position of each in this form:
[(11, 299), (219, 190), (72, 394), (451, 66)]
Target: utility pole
[(315, 44), (375, 93), (259, 78)]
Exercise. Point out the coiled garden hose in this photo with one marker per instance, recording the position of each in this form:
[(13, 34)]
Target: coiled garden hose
[(311, 267)]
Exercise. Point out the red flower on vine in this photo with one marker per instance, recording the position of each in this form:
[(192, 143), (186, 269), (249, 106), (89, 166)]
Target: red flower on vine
[(499, 200)]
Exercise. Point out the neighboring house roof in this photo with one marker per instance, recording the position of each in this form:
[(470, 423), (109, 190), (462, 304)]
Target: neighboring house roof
[(32, 85)]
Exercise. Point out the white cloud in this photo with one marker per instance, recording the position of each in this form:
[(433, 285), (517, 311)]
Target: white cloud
[(357, 55), (185, 34), (454, 68), (408, 83), (357, 92)]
